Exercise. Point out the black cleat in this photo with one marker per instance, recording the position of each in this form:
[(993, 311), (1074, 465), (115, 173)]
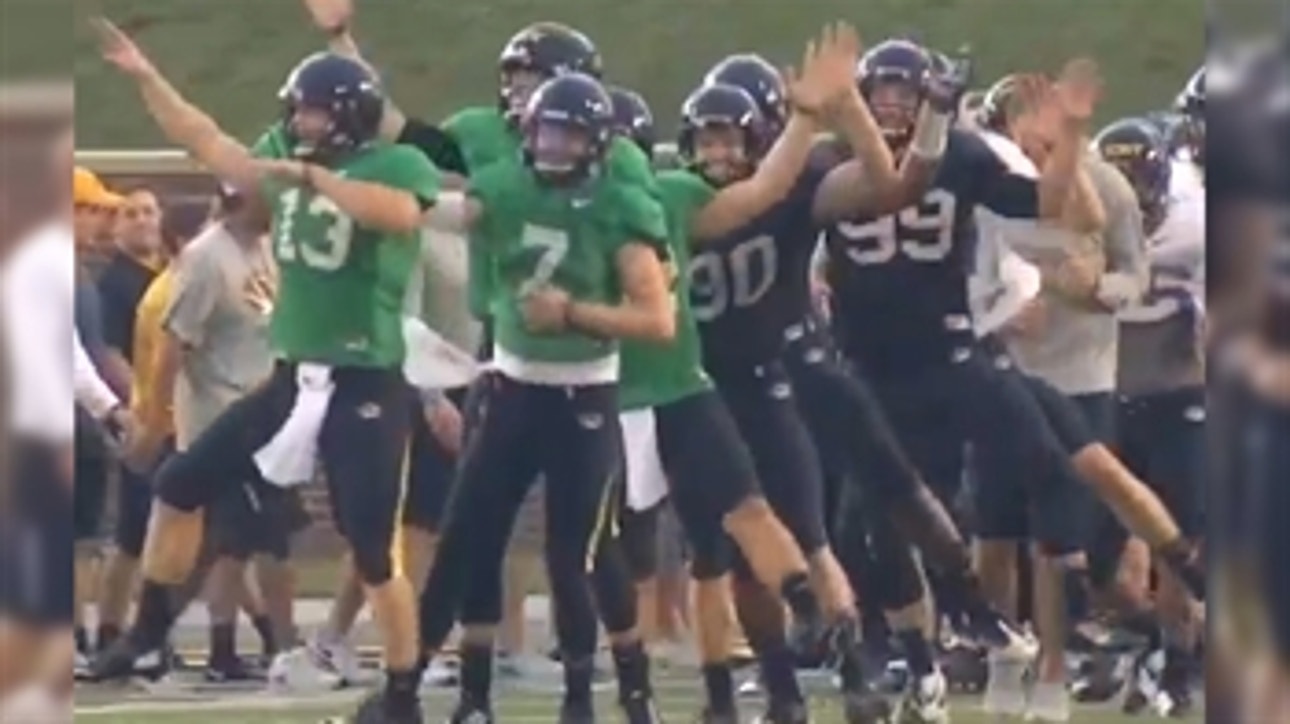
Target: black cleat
[(639, 708), (127, 658), (714, 716), (234, 669), (791, 713), (375, 709), (577, 711), (468, 712), (867, 707)]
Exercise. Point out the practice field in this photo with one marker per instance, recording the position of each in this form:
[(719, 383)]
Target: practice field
[(680, 698), (436, 57)]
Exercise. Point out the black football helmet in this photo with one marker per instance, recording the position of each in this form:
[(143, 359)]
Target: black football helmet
[(633, 118), (343, 89), (758, 78), (897, 62), (1139, 149), (1190, 104), (567, 127), (545, 50), (720, 105)]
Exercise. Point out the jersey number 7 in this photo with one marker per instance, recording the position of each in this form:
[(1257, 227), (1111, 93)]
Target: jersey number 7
[(922, 233)]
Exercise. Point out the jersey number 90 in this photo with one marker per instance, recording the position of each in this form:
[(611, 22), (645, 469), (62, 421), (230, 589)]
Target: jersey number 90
[(320, 237), (922, 233), (719, 281)]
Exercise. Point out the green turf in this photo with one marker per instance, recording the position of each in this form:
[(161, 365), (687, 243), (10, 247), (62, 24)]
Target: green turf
[(230, 56)]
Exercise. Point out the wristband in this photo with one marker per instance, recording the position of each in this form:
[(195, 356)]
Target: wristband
[(931, 135)]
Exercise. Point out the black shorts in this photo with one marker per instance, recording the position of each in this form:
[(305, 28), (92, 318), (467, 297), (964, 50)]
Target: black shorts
[(430, 470), (764, 406), (1162, 440), (855, 440), (571, 435), (134, 505), (93, 464), (983, 401), (36, 540), (256, 518), (711, 471), (362, 447), (1003, 496)]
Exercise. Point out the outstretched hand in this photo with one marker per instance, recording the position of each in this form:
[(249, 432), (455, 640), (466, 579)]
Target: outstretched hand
[(1078, 90), (944, 87), (118, 49), (331, 16), (828, 70)]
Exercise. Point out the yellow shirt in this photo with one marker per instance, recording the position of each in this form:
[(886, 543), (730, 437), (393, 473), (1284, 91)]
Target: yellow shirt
[(147, 346)]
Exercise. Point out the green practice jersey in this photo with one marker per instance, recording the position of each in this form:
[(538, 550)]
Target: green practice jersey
[(485, 137), (536, 234), (342, 286), (654, 374)]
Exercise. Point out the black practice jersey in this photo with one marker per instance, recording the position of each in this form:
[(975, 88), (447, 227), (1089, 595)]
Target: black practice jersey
[(899, 282), (744, 287)]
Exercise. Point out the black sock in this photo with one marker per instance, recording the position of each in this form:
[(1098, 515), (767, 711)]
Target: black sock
[(632, 666), (82, 640), (1076, 587), (155, 616), (264, 627), (223, 643), (796, 592), (107, 633), (477, 674), (918, 652), (779, 673), (401, 691), (720, 687), (578, 673)]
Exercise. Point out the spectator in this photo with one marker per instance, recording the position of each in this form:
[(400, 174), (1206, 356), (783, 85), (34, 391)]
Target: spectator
[(93, 219)]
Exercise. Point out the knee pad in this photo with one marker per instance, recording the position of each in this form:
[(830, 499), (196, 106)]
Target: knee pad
[(639, 542)]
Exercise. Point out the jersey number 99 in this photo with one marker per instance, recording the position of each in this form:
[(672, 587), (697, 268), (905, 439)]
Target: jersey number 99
[(737, 279), (922, 233), (320, 237)]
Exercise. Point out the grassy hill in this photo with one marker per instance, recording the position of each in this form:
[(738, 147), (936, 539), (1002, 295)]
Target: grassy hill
[(230, 56)]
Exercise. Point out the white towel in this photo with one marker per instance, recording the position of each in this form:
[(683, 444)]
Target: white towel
[(646, 480), (432, 362), (291, 457)]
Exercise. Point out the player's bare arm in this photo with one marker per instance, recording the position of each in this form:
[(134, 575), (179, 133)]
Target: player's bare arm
[(335, 19), (646, 311), (182, 122), (369, 204), (825, 81), (1069, 106)]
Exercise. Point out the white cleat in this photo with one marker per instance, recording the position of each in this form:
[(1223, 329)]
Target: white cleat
[(1005, 690), (1050, 701), (300, 670), (925, 701), (338, 658), (440, 675)]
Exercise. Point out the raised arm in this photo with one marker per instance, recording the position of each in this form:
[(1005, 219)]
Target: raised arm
[(183, 123), (1065, 192)]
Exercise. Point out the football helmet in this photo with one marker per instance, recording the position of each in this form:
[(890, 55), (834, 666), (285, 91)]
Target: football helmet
[(537, 53), (758, 78), (721, 105), (1138, 148), (633, 118), (891, 76), (332, 105), (568, 125)]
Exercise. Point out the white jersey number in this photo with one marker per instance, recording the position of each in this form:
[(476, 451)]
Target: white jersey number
[(922, 233), (326, 252), (554, 245), (1168, 294), (738, 279)]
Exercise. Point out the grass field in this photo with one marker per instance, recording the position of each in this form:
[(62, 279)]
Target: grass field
[(231, 56), (679, 698)]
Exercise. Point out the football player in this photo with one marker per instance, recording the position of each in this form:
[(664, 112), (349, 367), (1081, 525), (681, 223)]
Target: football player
[(552, 216), (347, 210), (1161, 381)]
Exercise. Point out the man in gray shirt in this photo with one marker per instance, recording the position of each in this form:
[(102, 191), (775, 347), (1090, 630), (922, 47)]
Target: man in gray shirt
[(222, 294)]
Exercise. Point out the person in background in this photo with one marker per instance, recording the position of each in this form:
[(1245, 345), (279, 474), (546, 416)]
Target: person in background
[(94, 210), (131, 268)]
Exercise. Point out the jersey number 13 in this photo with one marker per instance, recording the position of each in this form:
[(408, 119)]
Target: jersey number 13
[(319, 235)]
